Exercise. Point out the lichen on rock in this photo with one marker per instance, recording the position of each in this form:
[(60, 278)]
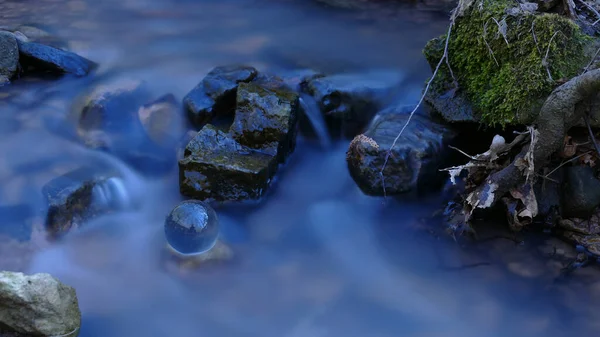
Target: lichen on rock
[(506, 61)]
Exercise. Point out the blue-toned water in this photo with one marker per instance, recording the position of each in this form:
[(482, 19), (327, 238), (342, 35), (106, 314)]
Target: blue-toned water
[(316, 257)]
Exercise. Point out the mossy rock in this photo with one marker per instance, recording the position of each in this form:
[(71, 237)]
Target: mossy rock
[(216, 167), (266, 117), (506, 61)]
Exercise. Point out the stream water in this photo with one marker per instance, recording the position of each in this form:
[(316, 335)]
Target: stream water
[(316, 258)]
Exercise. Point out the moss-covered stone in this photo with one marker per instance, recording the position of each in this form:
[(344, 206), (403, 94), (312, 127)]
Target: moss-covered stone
[(216, 167), (506, 61), (266, 117)]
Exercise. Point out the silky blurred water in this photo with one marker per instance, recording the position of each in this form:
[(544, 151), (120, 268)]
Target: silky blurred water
[(314, 258)]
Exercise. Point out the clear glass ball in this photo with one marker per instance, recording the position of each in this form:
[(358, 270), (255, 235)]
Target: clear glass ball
[(192, 227)]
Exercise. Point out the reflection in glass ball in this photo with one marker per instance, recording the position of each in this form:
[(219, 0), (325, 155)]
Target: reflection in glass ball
[(192, 227)]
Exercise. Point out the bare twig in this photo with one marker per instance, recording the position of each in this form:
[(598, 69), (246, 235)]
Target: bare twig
[(565, 163), (545, 60), (535, 37), (586, 118), (412, 113), (502, 29), (462, 152), (591, 61), (454, 82), (593, 10), (487, 44), (68, 333)]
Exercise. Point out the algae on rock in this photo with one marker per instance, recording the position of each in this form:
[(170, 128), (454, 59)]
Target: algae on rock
[(506, 61)]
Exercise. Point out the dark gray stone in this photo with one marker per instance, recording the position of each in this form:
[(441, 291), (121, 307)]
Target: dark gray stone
[(215, 94), (46, 58), (580, 192), (415, 159), (217, 167), (71, 198), (266, 117), (192, 227), (349, 101)]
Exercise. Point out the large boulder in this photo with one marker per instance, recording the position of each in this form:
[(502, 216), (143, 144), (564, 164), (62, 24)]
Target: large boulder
[(9, 57), (412, 164), (349, 101), (216, 93), (503, 76), (266, 117), (47, 58), (217, 167), (37, 305)]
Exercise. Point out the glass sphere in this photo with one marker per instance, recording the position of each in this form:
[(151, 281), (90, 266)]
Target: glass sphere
[(192, 227)]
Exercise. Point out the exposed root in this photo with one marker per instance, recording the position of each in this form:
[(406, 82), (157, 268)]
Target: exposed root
[(558, 114)]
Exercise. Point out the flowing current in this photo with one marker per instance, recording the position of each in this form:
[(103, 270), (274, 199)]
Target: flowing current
[(316, 257)]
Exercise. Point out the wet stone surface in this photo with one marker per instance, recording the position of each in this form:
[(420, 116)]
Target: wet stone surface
[(76, 197), (46, 58), (215, 95), (217, 167), (414, 161), (192, 227)]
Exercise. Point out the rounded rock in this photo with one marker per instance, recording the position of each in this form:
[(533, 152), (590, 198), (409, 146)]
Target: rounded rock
[(192, 227)]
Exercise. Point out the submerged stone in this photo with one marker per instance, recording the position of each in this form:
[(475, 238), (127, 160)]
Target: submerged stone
[(580, 192), (266, 117), (414, 161), (108, 119), (185, 264), (9, 57), (37, 305), (215, 94), (33, 33), (349, 101), (162, 120), (192, 227), (215, 166), (76, 197), (46, 58)]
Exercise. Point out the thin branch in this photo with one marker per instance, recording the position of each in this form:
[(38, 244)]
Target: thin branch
[(586, 118), (446, 55), (566, 162), (462, 152), (487, 45), (593, 10), (535, 37), (412, 113), (545, 60), (68, 333), (591, 61)]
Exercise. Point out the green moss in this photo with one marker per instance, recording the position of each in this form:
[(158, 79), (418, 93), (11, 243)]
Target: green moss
[(503, 75)]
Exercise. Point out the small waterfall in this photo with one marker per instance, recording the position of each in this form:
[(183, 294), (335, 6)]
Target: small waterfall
[(314, 115), (111, 194)]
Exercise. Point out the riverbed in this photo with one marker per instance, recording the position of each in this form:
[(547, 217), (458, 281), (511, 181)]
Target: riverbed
[(315, 257)]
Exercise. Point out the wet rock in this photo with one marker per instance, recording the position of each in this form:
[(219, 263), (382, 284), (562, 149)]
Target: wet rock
[(16, 221), (46, 58), (37, 305), (414, 161), (217, 167), (9, 57), (112, 107), (108, 119), (349, 101), (162, 120), (266, 117), (299, 79), (580, 192), (588, 226), (452, 106), (78, 196), (216, 93), (32, 33), (192, 227)]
